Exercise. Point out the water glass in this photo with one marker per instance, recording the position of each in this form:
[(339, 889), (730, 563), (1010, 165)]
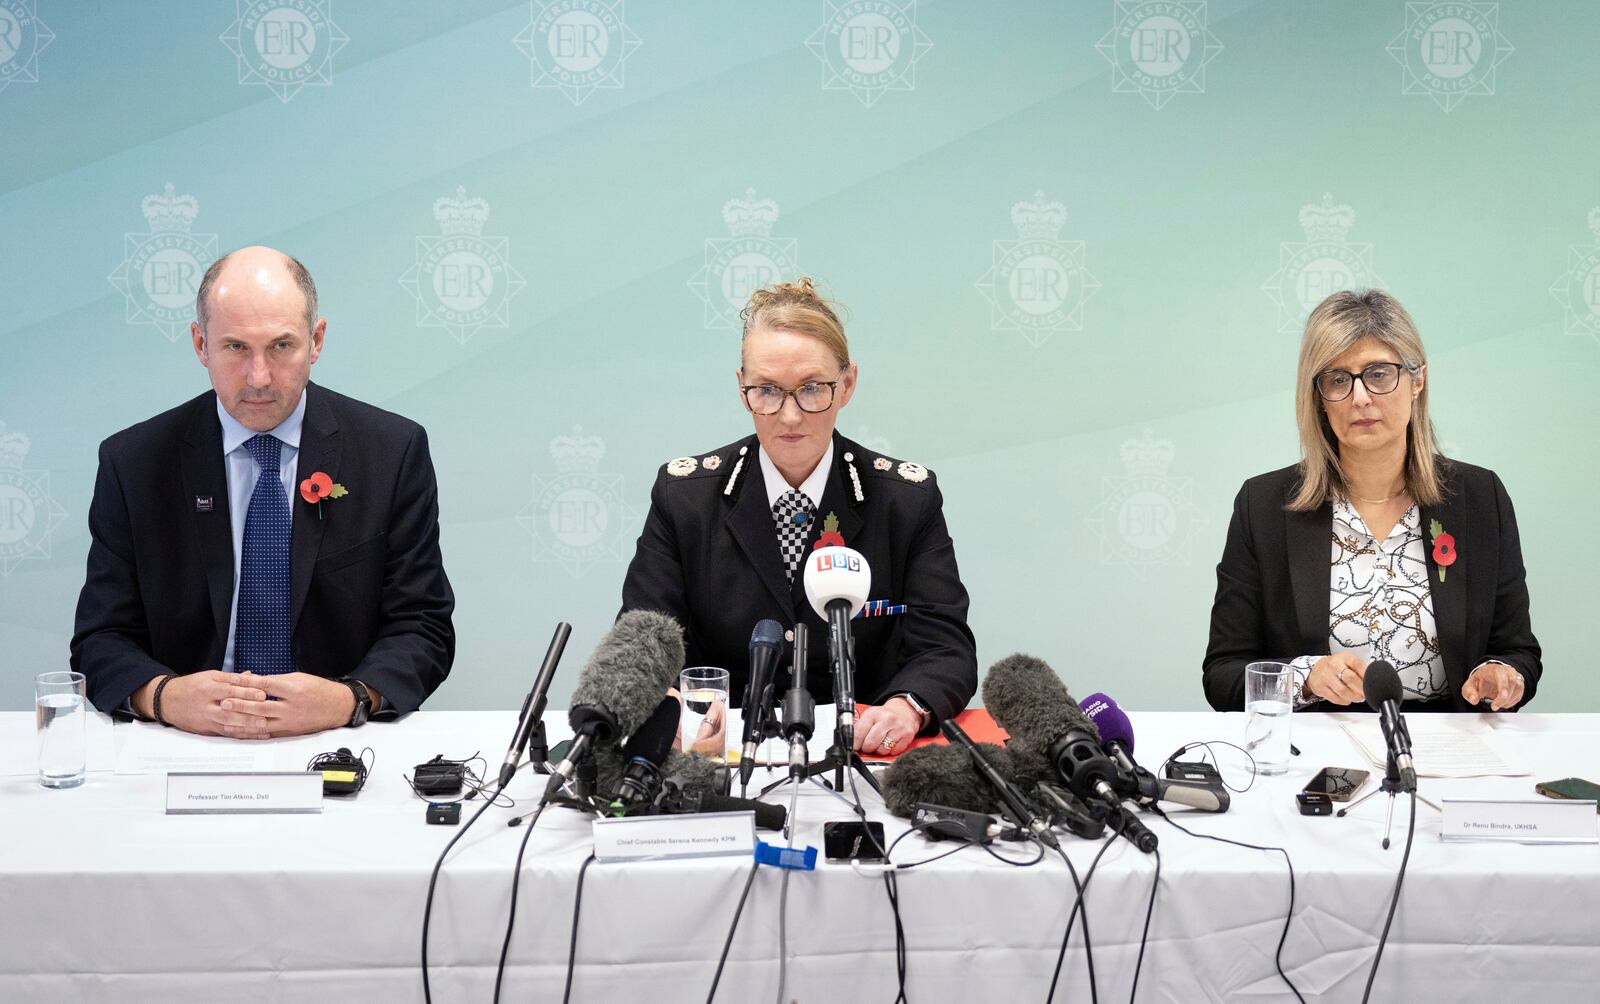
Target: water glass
[(61, 715), (703, 724), (1268, 707)]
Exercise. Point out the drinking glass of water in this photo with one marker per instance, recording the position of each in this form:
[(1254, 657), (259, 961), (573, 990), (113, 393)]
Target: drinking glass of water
[(1268, 704), (703, 726), (60, 714)]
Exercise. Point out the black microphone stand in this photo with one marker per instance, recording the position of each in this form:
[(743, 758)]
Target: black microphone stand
[(1392, 786), (538, 749), (838, 757)]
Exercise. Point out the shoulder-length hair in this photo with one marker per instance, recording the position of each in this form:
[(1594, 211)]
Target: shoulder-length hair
[(1339, 323)]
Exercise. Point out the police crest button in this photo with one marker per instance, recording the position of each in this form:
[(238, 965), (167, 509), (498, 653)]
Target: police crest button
[(682, 467), (913, 472)]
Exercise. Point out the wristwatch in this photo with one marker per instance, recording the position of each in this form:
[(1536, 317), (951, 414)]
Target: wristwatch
[(917, 706), (363, 709)]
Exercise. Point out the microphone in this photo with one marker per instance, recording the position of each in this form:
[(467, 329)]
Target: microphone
[(837, 580), (621, 685), (940, 775), (1116, 738), (644, 753), (1011, 800), (1027, 699), (1384, 693), (533, 704), (799, 707), (687, 799), (766, 646)]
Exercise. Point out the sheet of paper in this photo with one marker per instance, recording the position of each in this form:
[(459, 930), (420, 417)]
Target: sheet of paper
[(151, 749), (1442, 745), (19, 744)]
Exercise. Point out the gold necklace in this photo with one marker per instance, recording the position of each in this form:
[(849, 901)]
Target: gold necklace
[(1381, 501)]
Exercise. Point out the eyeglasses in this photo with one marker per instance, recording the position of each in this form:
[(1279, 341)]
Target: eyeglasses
[(767, 399), (1378, 378)]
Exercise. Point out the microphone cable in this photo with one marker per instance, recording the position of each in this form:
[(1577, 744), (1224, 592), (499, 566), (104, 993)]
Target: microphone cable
[(1144, 937), (572, 945), (1277, 956), (433, 880), (1394, 901), (1082, 890), (749, 881)]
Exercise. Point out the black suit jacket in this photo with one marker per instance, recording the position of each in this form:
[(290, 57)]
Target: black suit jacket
[(369, 595), (1272, 585), (709, 557)]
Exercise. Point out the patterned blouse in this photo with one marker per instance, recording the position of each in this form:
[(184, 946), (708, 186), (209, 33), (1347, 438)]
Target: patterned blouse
[(1381, 603)]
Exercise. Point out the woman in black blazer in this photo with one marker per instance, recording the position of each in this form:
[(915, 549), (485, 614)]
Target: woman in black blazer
[(1373, 546)]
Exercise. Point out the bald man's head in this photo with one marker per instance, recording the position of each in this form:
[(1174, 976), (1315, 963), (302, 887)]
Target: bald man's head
[(263, 262), (258, 334)]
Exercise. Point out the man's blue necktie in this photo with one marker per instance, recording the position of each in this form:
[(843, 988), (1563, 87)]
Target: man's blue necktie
[(261, 641)]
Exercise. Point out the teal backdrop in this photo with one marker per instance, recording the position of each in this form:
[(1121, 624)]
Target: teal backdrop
[(1075, 240)]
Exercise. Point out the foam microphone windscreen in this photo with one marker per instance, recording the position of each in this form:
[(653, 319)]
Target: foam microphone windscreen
[(943, 775), (1381, 683), (689, 769), (1025, 697), (1110, 719), (630, 670)]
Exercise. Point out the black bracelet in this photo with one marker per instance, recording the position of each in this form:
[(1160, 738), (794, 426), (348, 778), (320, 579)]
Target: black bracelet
[(155, 700)]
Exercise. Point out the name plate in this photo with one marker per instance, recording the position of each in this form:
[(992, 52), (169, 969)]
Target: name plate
[(195, 794), (1522, 821), (663, 838)]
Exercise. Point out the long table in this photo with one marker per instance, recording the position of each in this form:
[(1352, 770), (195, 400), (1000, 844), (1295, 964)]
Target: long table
[(104, 897)]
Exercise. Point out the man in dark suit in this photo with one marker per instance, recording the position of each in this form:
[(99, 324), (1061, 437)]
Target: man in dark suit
[(264, 559)]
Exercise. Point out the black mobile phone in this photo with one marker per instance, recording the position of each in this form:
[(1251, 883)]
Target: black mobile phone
[(1569, 787), (852, 840), (1338, 783)]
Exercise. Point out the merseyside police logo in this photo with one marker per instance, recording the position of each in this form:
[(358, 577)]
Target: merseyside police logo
[(577, 46), (284, 45), (577, 517), (1324, 263), (1146, 519), (869, 47), (1037, 284), (1158, 48), (1579, 289), (22, 37), (462, 280), (161, 270), (743, 262), (28, 515), (1449, 50)]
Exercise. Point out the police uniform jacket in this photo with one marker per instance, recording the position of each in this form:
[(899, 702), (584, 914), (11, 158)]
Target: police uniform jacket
[(709, 556)]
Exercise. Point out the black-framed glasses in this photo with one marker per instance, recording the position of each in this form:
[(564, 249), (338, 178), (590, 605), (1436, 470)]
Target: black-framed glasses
[(767, 398), (1377, 378)]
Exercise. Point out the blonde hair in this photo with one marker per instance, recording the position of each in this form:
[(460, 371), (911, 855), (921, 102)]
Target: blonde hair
[(1339, 323), (796, 306)]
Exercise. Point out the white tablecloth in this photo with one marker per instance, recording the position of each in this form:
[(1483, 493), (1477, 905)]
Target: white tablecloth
[(103, 897)]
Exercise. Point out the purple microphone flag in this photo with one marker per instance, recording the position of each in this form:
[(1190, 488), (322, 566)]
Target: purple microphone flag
[(1111, 720)]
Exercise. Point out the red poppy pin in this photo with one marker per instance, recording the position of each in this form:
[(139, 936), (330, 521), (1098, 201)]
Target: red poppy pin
[(830, 536), (318, 487), (1444, 547)]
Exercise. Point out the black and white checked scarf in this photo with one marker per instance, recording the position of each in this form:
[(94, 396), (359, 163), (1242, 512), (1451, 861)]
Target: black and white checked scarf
[(793, 514)]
